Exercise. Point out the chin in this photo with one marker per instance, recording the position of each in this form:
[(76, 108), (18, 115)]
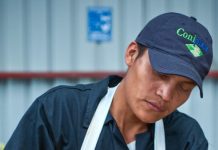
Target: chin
[(150, 119)]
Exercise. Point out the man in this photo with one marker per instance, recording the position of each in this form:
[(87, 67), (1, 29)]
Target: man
[(170, 56)]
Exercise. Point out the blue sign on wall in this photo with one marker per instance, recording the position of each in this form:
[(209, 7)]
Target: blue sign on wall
[(99, 24)]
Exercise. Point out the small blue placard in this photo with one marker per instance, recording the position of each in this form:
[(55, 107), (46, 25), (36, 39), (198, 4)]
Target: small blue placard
[(99, 24)]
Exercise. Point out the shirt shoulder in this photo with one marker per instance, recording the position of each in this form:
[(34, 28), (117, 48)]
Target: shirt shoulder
[(184, 130), (65, 94), (64, 90)]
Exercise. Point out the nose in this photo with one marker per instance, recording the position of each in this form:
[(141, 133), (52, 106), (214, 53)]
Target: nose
[(165, 91)]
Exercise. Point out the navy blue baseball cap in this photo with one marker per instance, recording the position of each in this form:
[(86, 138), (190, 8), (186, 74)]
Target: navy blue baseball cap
[(179, 45)]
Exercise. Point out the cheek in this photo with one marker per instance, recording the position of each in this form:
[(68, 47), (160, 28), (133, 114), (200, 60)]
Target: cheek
[(175, 103), (144, 91), (182, 98), (137, 87), (178, 99)]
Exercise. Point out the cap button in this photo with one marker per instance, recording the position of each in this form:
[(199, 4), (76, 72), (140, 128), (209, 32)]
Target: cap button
[(193, 18)]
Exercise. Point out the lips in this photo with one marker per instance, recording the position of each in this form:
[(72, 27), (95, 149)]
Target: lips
[(155, 106)]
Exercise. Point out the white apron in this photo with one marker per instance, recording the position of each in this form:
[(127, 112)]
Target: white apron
[(98, 120)]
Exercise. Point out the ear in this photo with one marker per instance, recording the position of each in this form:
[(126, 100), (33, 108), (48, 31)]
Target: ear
[(131, 53)]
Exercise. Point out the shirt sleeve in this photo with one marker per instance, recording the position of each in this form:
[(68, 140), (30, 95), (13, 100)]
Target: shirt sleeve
[(184, 133), (197, 139), (33, 131), (201, 146)]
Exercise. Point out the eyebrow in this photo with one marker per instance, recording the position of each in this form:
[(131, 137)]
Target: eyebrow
[(190, 82)]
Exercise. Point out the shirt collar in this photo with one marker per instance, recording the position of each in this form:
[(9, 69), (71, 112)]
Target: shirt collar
[(97, 93), (109, 118)]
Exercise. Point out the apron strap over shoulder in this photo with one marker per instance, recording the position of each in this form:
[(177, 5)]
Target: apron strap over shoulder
[(98, 120)]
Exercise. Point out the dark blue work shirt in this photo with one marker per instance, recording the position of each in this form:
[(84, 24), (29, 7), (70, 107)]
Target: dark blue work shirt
[(60, 118)]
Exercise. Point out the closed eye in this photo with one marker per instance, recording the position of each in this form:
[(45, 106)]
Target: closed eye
[(187, 86)]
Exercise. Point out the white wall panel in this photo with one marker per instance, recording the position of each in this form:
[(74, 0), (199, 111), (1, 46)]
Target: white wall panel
[(61, 35), (2, 10), (36, 35), (85, 52), (154, 8), (52, 35), (3, 112), (214, 32), (108, 54), (179, 6), (15, 95), (13, 36)]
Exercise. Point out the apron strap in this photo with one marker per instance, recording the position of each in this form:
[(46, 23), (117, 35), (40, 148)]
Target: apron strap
[(159, 136), (98, 120)]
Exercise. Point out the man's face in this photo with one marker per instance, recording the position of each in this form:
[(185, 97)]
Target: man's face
[(151, 95)]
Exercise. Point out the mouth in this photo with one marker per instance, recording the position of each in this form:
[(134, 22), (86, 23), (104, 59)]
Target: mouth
[(155, 106)]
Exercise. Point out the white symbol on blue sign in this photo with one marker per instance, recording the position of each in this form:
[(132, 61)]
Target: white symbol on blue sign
[(99, 24)]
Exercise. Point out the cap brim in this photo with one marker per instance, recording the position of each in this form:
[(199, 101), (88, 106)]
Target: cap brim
[(171, 64)]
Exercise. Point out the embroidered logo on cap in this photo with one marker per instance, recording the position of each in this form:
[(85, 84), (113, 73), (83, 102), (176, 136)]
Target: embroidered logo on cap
[(197, 46), (194, 49)]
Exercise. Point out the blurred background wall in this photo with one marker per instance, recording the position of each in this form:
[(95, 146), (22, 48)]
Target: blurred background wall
[(52, 36)]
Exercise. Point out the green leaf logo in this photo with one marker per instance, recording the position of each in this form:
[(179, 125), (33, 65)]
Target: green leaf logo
[(194, 49)]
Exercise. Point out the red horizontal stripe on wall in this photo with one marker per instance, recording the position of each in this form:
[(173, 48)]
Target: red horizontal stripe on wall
[(213, 74), (53, 75), (70, 75)]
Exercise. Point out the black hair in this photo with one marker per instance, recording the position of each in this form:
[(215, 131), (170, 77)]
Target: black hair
[(141, 49)]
